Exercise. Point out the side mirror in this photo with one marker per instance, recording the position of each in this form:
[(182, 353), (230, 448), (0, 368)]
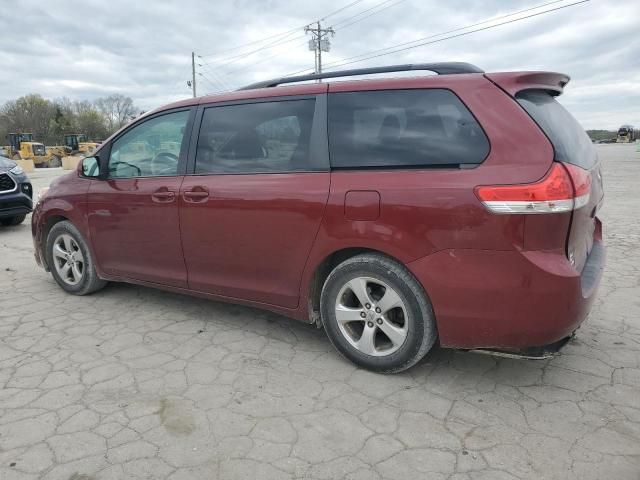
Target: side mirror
[(91, 167)]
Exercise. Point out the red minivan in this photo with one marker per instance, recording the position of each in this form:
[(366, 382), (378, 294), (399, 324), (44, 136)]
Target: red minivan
[(459, 207)]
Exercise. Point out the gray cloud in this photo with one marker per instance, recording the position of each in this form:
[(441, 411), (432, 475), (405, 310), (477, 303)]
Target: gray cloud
[(86, 49)]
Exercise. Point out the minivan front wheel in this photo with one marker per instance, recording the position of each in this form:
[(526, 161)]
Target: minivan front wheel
[(70, 261), (376, 313)]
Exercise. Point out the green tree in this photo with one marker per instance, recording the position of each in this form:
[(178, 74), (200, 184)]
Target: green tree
[(50, 120), (31, 113), (64, 121), (92, 123), (601, 134)]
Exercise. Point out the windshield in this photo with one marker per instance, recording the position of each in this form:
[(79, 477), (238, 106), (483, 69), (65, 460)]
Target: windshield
[(571, 143)]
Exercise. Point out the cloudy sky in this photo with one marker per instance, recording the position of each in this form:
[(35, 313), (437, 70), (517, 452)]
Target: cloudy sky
[(83, 49)]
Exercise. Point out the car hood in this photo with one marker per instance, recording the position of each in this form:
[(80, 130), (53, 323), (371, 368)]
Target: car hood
[(6, 164)]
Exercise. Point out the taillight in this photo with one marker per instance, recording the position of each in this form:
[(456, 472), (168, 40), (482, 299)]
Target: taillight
[(564, 188)]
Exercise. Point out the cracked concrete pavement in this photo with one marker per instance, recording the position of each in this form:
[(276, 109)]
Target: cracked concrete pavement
[(136, 383)]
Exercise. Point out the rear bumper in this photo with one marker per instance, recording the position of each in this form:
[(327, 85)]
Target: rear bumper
[(509, 299), (528, 353)]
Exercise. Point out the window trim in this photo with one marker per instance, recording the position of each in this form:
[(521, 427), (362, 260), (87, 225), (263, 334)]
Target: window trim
[(318, 142), (395, 168), (184, 147)]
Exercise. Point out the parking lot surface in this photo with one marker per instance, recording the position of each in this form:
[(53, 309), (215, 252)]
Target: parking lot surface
[(137, 383)]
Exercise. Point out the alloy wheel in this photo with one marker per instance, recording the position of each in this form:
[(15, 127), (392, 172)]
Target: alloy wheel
[(68, 259), (371, 316)]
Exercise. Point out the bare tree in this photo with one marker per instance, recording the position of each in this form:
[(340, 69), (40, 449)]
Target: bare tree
[(117, 109)]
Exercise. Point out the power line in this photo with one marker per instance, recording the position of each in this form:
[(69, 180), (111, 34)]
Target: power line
[(371, 14), (320, 41), (216, 87), (336, 24), (493, 19), (208, 80), (227, 60), (217, 76), (262, 59), (276, 40), (178, 85), (281, 34), (244, 55), (465, 33), (248, 44), (340, 10), (214, 83), (395, 48)]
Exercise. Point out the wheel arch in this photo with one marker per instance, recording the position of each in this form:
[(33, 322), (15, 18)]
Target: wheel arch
[(46, 228), (324, 268)]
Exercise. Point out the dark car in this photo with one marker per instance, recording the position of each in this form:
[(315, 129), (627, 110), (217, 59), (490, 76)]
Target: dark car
[(15, 193), (394, 212)]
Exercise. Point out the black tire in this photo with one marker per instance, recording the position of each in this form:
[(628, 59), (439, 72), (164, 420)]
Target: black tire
[(421, 332), (54, 162), (11, 221), (89, 282)]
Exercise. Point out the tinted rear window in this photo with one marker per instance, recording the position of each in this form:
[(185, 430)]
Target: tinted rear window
[(403, 128), (570, 142), (264, 137)]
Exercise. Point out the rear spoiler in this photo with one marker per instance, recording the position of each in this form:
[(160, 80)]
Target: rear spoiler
[(514, 82)]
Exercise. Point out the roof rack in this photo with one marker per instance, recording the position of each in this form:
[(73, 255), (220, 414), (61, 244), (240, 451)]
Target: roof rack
[(442, 68)]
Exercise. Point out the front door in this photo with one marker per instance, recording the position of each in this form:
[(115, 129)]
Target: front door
[(251, 211), (133, 214)]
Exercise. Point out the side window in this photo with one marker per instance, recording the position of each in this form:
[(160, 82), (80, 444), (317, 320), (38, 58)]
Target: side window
[(403, 128), (256, 138), (150, 149)]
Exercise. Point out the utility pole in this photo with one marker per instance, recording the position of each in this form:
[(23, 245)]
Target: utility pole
[(193, 73), (319, 43)]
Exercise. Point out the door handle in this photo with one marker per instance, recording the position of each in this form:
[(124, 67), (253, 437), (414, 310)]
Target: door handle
[(198, 194), (163, 196)]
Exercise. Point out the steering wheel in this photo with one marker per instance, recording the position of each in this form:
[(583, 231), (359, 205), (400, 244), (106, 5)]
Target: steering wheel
[(158, 165), (135, 167)]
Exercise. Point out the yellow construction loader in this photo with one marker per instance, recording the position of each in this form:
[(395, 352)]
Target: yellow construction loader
[(22, 147), (75, 145)]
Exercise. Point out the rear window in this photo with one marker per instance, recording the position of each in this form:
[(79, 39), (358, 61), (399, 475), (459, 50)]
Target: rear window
[(570, 142), (403, 128)]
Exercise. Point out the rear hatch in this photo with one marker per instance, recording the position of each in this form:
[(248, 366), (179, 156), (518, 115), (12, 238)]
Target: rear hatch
[(573, 148)]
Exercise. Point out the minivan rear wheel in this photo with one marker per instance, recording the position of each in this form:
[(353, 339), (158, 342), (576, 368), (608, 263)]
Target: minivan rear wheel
[(376, 313), (70, 260)]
